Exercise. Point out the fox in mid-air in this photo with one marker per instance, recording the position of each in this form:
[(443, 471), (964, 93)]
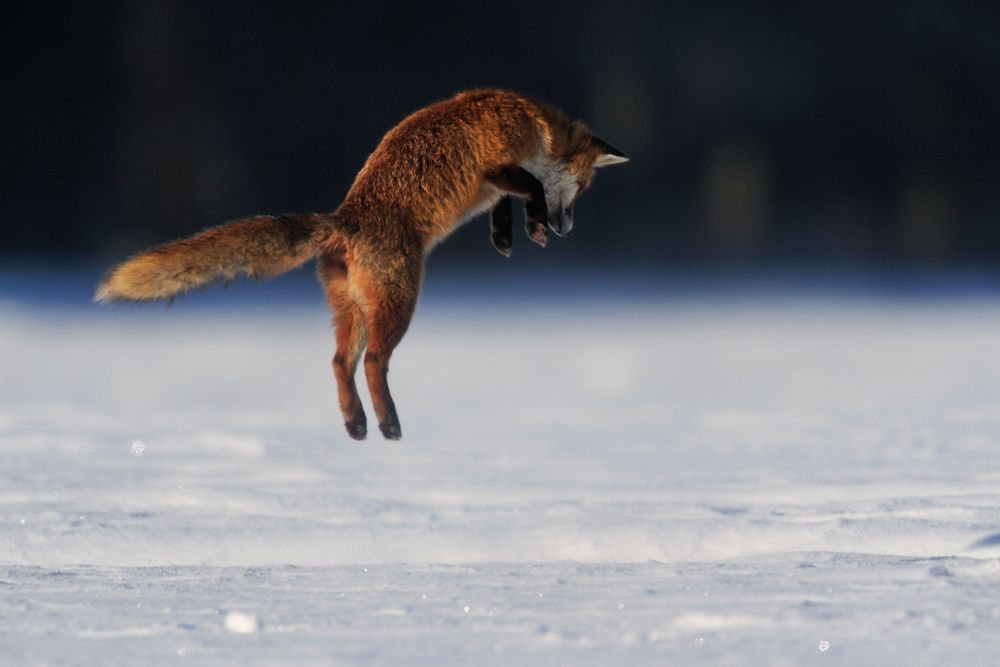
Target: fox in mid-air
[(437, 168)]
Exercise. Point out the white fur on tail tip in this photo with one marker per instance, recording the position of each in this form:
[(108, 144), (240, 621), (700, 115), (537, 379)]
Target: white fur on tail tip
[(104, 294)]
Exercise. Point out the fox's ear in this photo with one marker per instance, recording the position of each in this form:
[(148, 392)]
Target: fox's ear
[(609, 154)]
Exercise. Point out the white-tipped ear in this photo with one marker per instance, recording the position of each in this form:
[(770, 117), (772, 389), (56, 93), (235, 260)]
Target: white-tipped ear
[(607, 159), (609, 154)]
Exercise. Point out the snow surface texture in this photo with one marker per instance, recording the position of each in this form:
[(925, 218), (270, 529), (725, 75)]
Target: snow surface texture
[(686, 482)]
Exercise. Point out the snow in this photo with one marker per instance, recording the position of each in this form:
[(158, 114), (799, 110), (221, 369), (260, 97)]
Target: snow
[(775, 480), (239, 623)]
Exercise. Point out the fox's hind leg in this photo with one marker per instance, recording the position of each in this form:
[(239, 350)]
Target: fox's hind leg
[(351, 335), (389, 308)]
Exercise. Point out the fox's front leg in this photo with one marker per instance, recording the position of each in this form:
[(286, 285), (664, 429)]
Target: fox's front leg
[(502, 226), (518, 181)]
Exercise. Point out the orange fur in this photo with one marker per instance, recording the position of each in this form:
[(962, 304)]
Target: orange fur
[(260, 247), (427, 175)]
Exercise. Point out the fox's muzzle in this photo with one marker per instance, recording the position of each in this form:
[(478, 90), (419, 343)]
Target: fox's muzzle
[(561, 220)]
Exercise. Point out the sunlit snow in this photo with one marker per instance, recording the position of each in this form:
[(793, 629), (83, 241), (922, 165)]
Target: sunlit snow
[(779, 481)]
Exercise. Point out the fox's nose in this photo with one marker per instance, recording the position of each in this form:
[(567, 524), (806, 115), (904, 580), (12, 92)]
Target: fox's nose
[(565, 228), (567, 221), (561, 220)]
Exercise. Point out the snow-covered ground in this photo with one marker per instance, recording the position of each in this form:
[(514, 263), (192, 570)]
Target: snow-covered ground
[(781, 480)]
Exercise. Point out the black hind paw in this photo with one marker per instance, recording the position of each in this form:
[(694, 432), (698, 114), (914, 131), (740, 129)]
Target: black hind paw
[(391, 430), (357, 428)]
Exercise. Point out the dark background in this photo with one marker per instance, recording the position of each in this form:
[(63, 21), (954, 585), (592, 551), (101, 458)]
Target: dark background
[(838, 133)]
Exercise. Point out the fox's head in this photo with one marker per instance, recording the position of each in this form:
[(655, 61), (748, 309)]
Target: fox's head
[(568, 169)]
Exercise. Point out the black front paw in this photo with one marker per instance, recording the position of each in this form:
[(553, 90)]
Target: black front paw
[(502, 226), (537, 232), (503, 243), (535, 220)]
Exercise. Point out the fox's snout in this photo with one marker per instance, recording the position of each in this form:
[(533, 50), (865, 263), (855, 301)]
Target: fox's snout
[(561, 220)]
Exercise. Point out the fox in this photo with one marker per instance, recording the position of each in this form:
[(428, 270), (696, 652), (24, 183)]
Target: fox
[(439, 167)]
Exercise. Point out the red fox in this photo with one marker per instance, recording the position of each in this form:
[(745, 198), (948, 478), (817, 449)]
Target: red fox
[(439, 167)]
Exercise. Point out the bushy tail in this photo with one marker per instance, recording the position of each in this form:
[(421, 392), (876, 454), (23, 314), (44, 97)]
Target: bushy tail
[(261, 247)]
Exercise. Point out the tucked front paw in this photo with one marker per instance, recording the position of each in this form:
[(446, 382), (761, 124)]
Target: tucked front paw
[(503, 244), (537, 233)]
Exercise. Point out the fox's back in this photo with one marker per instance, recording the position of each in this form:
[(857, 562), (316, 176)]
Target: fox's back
[(426, 173)]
